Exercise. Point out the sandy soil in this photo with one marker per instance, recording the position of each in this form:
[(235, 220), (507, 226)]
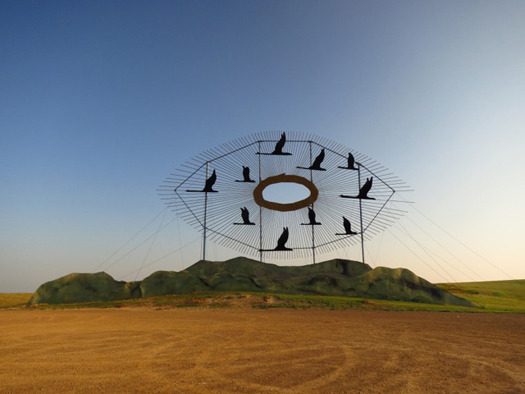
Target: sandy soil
[(290, 351)]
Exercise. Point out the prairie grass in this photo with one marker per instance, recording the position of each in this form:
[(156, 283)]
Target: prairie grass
[(8, 300), (498, 296)]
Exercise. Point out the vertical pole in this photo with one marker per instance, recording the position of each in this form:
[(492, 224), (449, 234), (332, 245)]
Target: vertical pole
[(312, 226), (205, 217), (361, 215), (260, 212)]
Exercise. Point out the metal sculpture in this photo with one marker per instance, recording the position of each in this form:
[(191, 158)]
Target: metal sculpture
[(333, 177)]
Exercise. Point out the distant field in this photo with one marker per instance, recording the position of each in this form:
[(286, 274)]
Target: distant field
[(13, 299), (497, 296)]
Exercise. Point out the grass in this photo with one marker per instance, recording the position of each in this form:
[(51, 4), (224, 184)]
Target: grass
[(500, 296), (9, 300), (495, 297), (259, 301), (341, 303)]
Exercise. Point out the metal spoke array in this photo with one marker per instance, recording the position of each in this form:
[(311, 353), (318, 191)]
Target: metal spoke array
[(217, 211)]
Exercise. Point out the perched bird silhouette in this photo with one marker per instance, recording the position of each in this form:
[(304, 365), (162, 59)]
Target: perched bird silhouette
[(245, 215), (348, 228), (208, 187), (363, 192), (351, 163), (311, 218), (316, 165), (281, 242)]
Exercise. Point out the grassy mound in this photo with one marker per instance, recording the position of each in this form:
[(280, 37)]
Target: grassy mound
[(332, 278), (242, 274), (84, 288)]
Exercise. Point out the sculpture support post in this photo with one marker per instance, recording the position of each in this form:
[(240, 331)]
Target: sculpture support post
[(205, 217), (260, 212), (313, 231), (361, 215)]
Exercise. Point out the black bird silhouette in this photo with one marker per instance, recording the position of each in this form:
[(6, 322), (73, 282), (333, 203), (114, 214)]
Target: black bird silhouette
[(348, 228), (281, 242), (208, 187), (278, 150), (363, 192), (316, 165), (280, 145), (246, 175), (245, 215), (351, 163), (311, 218)]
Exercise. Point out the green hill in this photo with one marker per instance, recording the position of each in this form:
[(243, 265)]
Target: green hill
[(84, 288), (334, 277)]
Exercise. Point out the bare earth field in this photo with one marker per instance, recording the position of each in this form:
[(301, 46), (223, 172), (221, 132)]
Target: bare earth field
[(243, 350)]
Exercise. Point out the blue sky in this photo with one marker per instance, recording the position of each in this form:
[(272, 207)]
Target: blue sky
[(100, 101)]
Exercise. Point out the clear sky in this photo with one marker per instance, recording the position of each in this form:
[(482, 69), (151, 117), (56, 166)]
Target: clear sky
[(101, 100)]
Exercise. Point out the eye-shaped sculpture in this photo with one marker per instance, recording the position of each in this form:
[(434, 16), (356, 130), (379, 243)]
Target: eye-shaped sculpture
[(221, 193)]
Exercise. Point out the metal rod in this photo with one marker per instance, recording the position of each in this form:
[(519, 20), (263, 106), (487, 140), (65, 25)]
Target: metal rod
[(312, 180), (260, 211), (361, 215), (205, 217)]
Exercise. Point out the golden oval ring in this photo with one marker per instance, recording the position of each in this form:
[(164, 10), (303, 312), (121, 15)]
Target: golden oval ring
[(283, 178)]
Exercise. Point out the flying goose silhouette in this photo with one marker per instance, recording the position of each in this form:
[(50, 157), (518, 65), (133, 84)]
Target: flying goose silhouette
[(351, 163), (245, 215), (278, 150), (348, 228), (208, 186), (246, 175), (311, 218), (363, 192), (281, 242), (280, 145), (316, 165)]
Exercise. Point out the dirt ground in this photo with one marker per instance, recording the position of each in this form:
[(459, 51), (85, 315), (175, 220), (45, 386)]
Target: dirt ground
[(290, 351)]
